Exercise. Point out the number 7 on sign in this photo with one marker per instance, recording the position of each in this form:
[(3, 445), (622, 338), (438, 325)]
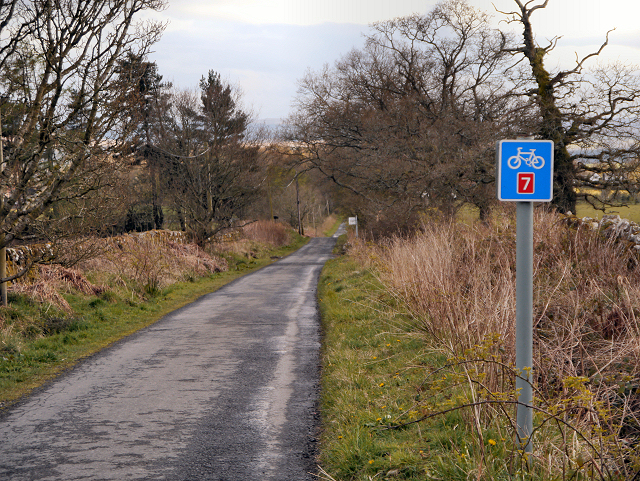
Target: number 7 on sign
[(526, 183)]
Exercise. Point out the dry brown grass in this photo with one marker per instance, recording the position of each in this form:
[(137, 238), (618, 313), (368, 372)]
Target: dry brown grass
[(458, 282), (457, 279), (140, 263), (47, 283), (321, 227), (150, 263), (266, 232), (253, 240), (243, 248)]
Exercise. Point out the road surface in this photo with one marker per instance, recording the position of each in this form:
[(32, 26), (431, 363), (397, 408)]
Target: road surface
[(225, 388)]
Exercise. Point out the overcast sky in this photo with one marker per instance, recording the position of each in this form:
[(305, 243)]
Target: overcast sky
[(265, 46)]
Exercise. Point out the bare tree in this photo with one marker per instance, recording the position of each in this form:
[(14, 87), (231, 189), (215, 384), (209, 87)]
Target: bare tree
[(14, 27), (62, 122), (410, 121), (592, 117), (294, 193)]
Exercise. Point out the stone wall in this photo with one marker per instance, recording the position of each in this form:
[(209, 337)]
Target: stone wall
[(611, 226), (19, 257)]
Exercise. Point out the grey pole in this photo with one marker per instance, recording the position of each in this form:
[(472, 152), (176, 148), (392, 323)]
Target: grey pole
[(524, 321)]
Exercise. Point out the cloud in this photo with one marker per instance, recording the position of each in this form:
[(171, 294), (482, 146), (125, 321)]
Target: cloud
[(631, 39), (267, 45), (298, 12), (266, 60)]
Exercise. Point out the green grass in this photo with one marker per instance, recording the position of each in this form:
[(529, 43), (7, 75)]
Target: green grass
[(392, 403), (334, 227), (372, 364), (469, 214), (375, 366), (57, 340), (630, 212)]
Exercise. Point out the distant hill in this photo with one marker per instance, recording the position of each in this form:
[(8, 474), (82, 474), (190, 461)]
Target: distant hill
[(272, 125), (270, 122)]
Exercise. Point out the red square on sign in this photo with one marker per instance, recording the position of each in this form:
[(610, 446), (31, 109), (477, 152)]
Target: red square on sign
[(526, 182)]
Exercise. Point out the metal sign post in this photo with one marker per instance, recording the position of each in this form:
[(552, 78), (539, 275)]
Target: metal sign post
[(524, 321), (524, 174)]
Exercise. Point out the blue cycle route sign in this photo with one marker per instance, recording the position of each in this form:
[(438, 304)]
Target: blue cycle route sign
[(524, 170)]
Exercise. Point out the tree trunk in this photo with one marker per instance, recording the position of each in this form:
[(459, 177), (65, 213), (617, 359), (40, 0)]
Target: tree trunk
[(3, 249), (551, 128), (158, 218), (181, 219), (300, 228)]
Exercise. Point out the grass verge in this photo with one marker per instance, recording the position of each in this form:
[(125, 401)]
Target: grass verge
[(55, 339), (631, 211), (418, 374), (330, 225), (371, 365)]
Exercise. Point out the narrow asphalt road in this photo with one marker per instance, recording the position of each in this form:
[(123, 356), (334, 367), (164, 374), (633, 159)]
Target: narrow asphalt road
[(225, 388)]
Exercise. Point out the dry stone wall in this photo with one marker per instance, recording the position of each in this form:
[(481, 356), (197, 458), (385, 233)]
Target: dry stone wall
[(19, 257), (613, 227)]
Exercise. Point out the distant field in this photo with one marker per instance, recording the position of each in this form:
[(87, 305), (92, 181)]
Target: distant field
[(632, 212)]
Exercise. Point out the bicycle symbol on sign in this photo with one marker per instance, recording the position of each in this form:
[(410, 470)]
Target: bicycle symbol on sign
[(530, 158)]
